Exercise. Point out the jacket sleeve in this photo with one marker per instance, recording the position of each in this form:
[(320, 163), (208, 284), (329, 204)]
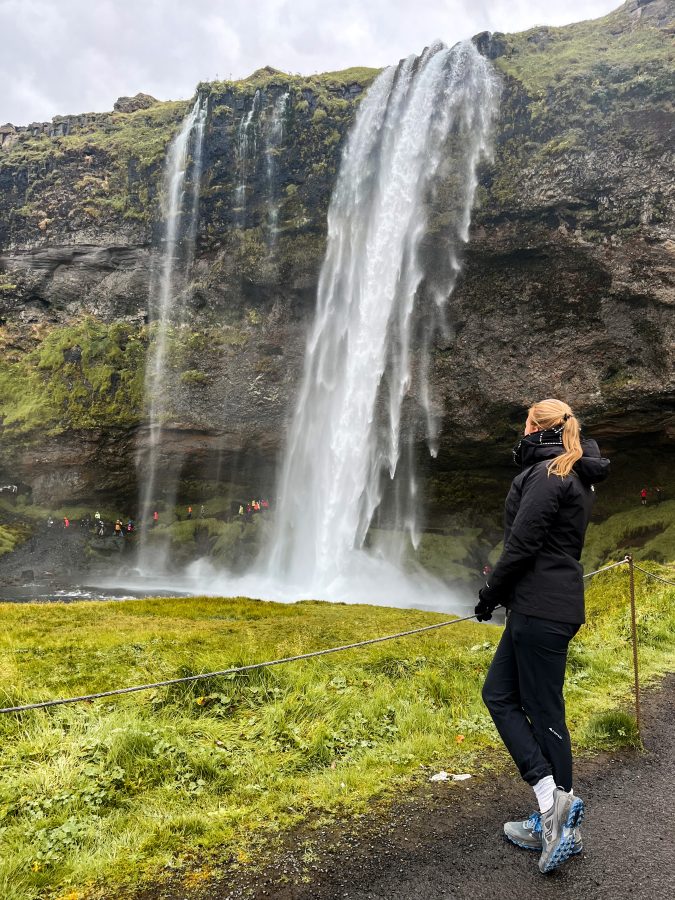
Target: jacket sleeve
[(538, 507)]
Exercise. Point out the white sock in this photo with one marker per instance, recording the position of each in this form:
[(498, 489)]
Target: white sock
[(544, 790)]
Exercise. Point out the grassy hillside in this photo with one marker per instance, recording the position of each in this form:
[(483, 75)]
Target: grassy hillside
[(133, 787)]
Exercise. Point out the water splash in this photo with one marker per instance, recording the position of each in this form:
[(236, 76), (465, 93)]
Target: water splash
[(181, 186), (422, 124)]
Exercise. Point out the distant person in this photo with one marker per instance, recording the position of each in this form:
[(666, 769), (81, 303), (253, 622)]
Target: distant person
[(97, 516), (202, 512), (643, 496), (50, 522), (130, 526), (155, 518), (66, 522), (265, 504), (100, 528), (241, 509), (118, 528), (189, 515), (538, 578), (657, 494)]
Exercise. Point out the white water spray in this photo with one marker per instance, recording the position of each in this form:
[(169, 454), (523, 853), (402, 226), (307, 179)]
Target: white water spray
[(427, 120), (181, 214)]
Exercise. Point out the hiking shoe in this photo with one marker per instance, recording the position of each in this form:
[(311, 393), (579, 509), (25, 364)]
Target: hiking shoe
[(557, 829), (527, 834)]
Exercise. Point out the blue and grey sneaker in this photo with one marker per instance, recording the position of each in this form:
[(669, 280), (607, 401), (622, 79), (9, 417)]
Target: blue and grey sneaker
[(527, 834), (557, 829)]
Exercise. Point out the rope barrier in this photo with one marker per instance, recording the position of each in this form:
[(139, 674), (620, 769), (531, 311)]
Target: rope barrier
[(652, 575), (621, 562), (277, 662), (274, 662)]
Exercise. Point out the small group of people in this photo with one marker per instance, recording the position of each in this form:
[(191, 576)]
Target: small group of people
[(644, 495), (121, 529), (253, 506)]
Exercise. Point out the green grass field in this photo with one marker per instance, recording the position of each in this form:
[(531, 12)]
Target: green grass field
[(181, 778)]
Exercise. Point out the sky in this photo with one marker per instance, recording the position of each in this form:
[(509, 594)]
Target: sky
[(71, 56)]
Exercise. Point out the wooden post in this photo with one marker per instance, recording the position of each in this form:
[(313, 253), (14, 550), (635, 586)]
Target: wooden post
[(629, 560)]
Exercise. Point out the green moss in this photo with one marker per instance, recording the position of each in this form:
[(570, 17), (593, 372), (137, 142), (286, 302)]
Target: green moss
[(7, 285), (11, 536), (646, 532), (194, 376), (88, 374)]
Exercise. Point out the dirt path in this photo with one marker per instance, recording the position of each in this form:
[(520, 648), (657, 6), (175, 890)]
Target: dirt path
[(446, 841)]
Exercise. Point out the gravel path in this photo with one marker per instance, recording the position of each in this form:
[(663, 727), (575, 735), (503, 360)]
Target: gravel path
[(440, 849), (445, 841)]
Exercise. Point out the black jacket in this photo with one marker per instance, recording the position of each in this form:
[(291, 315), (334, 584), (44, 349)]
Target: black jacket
[(545, 522)]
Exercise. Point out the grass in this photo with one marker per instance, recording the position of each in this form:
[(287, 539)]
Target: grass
[(127, 789)]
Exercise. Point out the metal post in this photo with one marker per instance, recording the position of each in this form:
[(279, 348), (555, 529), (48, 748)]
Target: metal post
[(629, 560)]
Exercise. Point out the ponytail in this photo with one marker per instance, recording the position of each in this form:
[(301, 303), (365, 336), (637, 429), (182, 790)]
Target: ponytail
[(556, 414)]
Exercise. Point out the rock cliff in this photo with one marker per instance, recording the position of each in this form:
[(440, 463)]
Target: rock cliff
[(566, 287)]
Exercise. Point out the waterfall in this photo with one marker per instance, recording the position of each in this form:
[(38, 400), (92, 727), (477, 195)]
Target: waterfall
[(425, 123), (180, 193), (247, 147), (274, 140)]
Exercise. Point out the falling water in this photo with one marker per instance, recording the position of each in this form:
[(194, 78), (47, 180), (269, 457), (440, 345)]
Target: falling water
[(182, 180), (424, 122), (247, 147), (274, 140)]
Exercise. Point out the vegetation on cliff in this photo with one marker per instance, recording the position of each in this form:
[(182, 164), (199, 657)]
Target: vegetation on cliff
[(599, 86), (120, 790), (85, 375)]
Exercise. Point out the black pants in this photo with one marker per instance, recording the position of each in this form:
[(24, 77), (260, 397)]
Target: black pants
[(524, 694)]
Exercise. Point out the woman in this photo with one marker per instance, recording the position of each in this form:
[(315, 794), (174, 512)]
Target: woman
[(538, 578)]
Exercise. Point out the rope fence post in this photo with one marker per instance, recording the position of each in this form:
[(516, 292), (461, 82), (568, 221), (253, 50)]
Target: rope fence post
[(633, 626)]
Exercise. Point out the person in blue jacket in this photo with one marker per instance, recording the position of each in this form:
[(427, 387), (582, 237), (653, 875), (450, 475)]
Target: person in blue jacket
[(539, 580)]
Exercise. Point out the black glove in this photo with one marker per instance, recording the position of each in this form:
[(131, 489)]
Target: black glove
[(486, 604)]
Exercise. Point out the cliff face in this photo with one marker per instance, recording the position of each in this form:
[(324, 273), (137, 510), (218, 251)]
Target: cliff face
[(566, 289)]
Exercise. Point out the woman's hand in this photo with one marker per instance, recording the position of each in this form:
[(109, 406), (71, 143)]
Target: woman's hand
[(486, 604)]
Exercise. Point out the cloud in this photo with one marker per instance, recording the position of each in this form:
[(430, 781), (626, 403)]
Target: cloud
[(66, 56)]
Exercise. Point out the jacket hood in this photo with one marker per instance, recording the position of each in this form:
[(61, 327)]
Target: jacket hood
[(533, 448)]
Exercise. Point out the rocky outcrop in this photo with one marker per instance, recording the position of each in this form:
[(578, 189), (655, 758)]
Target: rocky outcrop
[(567, 285), (131, 104)]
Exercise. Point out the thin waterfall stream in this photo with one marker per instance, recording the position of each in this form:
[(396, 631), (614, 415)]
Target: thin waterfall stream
[(181, 185)]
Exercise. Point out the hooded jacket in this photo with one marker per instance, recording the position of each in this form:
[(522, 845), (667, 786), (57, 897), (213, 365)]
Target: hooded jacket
[(545, 521)]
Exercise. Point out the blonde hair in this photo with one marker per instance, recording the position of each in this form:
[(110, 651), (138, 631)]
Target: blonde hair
[(556, 414)]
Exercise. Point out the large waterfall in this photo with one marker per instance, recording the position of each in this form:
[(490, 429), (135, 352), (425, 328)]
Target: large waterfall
[(424, 122), (181, 185)]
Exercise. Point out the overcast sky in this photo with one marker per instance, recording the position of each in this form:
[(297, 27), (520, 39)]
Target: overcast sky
[(70, 56)]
